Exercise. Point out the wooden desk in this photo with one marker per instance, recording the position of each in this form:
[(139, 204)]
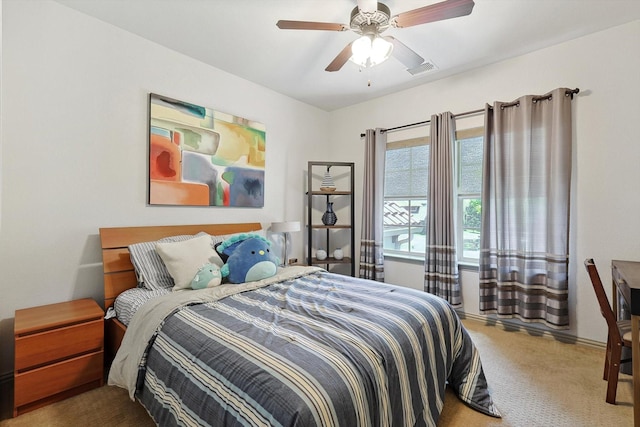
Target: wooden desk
[(626, 280)]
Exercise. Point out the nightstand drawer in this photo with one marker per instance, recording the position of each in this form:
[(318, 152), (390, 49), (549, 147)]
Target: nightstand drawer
[(52, 379), (51, 346)]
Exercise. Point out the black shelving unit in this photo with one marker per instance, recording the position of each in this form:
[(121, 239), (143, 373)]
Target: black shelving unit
[(316, 235)]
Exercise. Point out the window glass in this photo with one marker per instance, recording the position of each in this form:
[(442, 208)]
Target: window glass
[(471, 209), (470, 165), (469, 172), (405, 196), (405, 201)]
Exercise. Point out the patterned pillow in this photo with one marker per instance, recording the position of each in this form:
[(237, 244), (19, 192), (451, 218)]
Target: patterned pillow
[(150, 270), (129, 301)]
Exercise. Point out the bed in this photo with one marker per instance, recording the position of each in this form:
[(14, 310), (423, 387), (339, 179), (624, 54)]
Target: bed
[(302, 348)]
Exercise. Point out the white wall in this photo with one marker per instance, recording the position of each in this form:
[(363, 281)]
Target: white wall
[(1, 116), (605, 198), (74, 136)]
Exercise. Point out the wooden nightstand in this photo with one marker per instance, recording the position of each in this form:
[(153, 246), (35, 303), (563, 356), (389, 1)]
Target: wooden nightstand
[(59, 350)]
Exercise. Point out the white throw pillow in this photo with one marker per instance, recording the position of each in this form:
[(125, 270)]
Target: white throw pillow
[(183, 259)]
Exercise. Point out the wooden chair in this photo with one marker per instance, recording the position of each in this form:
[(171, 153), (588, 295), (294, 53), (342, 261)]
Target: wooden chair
[(619, 334)]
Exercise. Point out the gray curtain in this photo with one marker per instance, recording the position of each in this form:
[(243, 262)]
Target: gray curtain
[(371, 254), (441, 263), (525, 209)]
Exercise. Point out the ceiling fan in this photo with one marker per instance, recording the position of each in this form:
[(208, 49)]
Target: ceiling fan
[(370, 19)]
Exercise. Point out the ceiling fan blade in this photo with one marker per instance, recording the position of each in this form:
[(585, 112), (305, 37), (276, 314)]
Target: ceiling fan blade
[(341, 59), (435, 12), (368, 6), (404, 54), (307, 25)]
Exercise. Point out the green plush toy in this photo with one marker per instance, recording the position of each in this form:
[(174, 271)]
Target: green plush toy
[(207, 276), (250, 258)]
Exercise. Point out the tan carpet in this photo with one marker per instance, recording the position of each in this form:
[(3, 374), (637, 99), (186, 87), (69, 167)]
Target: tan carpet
[(539, 381), (535, 381), (102, 407)]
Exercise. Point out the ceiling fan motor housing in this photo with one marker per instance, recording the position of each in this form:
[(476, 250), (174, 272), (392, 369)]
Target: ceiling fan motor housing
[(363, 22)]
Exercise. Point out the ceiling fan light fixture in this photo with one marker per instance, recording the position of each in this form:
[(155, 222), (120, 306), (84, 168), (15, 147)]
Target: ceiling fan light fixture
[(361, 50), (370, 50), (380, 51)]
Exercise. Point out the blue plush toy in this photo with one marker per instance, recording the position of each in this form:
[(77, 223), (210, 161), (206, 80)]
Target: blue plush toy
[(250, 258), (207, 276)]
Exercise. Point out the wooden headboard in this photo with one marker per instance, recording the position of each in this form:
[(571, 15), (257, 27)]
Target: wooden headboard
[(118, 270)]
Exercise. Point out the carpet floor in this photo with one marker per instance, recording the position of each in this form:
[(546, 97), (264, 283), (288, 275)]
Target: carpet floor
[(535, 381)]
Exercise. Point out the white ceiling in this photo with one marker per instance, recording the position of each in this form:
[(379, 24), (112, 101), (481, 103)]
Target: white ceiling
[(241, 37)]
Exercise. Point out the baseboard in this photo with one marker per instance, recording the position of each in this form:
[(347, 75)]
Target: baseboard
[(6, 395), (6, 379), (514, 325)]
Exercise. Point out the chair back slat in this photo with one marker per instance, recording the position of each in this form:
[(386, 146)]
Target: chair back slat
[(603, 301)]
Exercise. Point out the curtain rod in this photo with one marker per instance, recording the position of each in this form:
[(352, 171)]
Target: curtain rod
[(569, 92)]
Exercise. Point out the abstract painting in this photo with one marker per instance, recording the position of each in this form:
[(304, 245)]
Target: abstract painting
[(202, 157)]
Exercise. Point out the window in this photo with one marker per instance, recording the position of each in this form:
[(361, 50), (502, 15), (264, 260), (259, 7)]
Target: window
[(405, 197), (469, 185)]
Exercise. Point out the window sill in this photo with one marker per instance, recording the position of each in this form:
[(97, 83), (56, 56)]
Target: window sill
[(462, 265), (467, 266), (413, 259)]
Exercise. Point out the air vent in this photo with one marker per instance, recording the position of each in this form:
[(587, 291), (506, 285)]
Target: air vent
[(423, 68)]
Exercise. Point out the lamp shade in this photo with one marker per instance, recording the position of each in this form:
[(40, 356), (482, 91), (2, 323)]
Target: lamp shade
[(285, 227)]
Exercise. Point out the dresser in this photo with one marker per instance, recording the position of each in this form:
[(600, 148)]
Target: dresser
[(59, 352)]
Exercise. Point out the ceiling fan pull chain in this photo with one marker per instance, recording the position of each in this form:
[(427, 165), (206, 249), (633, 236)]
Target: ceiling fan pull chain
[(369, 73)]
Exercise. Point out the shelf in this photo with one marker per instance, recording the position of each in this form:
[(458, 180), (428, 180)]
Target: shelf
[(330, 260), (331, 193), (319, 226)]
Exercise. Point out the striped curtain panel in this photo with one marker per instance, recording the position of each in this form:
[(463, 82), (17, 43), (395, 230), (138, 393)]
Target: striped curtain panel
[(441, 263), (371, 254), (524, 240)]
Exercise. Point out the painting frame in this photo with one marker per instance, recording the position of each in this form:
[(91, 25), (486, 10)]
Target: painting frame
[(198, 156)]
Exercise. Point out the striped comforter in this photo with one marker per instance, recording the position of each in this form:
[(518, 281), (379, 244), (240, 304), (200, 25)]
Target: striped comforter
[(317, 349)]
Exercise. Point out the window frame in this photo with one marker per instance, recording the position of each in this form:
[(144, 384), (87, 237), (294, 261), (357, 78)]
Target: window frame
[(395, 145), (460, 196)]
